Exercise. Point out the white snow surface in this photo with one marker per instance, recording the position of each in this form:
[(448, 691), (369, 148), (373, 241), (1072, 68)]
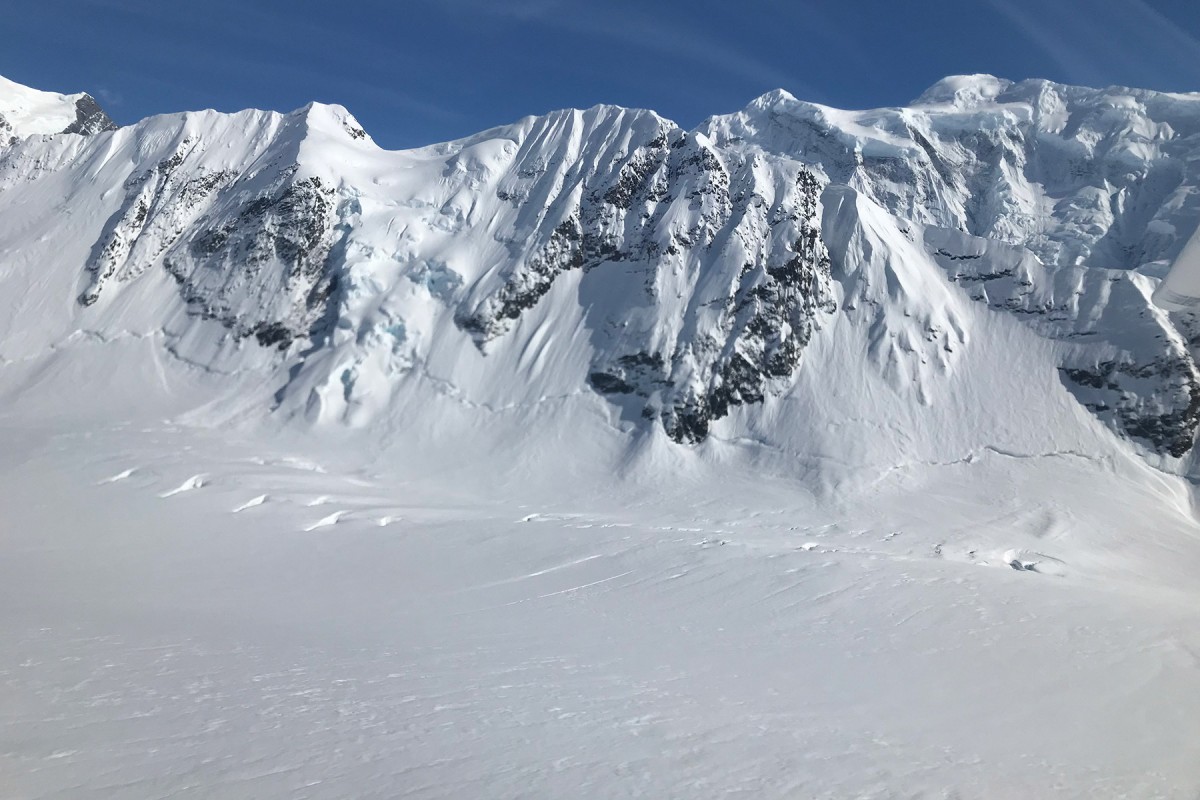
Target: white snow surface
[(810, 453), (1001, 627), (1180, 290)]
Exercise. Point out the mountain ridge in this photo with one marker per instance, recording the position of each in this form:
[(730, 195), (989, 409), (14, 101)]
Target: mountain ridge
[(684, 281)]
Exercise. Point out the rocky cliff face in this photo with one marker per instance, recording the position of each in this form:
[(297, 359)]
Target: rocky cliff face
[(90, 118), (679, 275), (1056, 204), (247, 247), (752, 236), (1126, 361)]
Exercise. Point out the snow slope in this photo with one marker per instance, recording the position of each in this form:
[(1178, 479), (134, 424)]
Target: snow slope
[(593, 454), (356, 633)]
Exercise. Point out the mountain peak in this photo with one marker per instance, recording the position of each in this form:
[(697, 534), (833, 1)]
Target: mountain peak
[(773, 97), (31, 112), (331, 118), (963, 91)]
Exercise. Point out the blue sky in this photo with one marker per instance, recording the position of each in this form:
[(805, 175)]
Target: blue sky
[(421, 71)]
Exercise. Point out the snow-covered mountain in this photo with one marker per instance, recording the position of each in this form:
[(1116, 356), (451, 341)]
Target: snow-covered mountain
[(875, 287), (809, 453)]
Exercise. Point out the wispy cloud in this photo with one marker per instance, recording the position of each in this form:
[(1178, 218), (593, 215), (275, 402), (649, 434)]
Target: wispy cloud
[(1096, 41), (666, 37), (1052, 44), (109, 98)]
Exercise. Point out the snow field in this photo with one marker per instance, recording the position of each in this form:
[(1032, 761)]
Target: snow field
[(676, 644)]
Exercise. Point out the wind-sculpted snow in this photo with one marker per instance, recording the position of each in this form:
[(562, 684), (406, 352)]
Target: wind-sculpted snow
[(734, 279)]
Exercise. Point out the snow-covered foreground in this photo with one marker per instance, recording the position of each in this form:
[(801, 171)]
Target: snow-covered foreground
[(189, 616)]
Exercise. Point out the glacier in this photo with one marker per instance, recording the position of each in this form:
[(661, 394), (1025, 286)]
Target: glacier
[(808, 452)]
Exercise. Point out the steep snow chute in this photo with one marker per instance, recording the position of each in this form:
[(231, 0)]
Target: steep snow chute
[(1181, 289)]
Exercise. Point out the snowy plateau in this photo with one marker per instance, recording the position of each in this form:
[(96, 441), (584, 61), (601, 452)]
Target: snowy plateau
[(809, 453)]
